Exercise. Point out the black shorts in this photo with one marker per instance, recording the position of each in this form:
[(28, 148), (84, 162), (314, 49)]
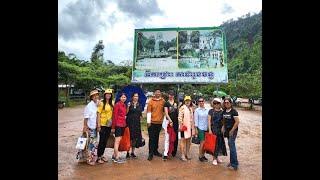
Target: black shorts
[(119, 131)]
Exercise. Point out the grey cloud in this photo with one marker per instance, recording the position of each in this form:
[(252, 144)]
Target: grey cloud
[(140, 9), (80, 19), (226, 9)]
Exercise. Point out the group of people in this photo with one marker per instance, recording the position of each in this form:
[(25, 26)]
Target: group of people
[(186, 121)]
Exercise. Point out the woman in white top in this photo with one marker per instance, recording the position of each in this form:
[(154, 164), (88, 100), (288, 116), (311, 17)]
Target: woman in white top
[(90, 125)]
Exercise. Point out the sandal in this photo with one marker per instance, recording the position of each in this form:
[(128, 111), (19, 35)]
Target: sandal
[(183, 159), (100, 161), (104, 159)]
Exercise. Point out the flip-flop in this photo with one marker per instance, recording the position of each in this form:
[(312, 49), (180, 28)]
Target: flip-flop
[(104, 159), (183, 159), (100, 161)]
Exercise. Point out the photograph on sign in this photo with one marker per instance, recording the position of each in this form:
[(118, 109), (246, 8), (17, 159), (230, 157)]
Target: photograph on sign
[(179, 55)]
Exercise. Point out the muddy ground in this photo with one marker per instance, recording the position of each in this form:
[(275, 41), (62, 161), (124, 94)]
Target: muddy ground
[(248, 143)]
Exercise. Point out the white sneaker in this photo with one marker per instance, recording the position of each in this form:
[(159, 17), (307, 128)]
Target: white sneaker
[(214, 162), (219, 161)]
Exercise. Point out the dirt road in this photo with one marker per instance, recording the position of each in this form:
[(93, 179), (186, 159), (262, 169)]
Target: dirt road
[(248, 143)]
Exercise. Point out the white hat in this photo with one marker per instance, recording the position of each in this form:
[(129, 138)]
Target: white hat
[(217, 99)]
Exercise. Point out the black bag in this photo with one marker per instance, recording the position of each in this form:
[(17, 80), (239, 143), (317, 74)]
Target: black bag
[(140, 143), (195, 140)]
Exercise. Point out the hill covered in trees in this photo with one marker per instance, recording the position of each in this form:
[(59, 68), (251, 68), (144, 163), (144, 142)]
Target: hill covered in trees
[(244, 57)]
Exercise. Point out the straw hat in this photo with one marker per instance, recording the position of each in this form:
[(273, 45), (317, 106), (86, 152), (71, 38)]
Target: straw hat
[(93, 92)]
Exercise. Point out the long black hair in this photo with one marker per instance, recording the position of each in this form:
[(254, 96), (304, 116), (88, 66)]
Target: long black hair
[(105, 101)]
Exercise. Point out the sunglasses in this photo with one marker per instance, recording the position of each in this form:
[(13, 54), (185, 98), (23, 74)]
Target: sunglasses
[(200, 101), (227, 102), (216, 103)]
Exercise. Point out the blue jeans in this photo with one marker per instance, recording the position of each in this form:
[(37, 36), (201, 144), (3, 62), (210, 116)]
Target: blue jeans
[(233, 151)]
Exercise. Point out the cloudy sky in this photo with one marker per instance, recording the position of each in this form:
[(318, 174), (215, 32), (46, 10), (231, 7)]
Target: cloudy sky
[(82, 23)]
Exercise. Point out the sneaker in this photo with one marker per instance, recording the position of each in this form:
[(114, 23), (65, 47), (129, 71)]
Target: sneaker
[(205, 158), (232, 168), (157, 154), (164, 158), (219, 160), (120, 161), (201, 159), (133, 155), (150, 157), (113, 159), (128, 156), (214, 162)]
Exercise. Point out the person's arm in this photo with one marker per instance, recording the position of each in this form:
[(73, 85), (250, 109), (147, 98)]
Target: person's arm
[(85, 125), (180, 117), (236, 118), (209, 123), (98, 121), (86, 115), (167, 114), (196, 121), (149, 109), (115, 116)]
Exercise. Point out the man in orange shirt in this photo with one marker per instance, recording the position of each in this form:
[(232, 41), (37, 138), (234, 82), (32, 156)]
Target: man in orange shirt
[(155, 117)]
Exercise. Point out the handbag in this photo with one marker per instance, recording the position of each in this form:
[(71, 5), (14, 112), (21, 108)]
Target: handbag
[(195, 140), (184, 128), (125, 143), (82, 141), (209, 143), (141, 143), (110, 141)]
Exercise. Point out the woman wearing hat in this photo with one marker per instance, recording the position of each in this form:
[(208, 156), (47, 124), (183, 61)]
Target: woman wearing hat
[(215, 126), (104, 120), (90, 125), (186, 128)]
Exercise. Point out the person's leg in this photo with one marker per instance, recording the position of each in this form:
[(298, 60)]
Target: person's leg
[(116, 147), (188, 145), (166, 143), (201, 153), (102, 141), (151, 141), (182, 149), (233, 151), (175, 126), (157, 133)]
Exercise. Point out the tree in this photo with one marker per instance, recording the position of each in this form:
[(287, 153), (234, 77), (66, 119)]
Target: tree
[(67, 74), (97, 54)]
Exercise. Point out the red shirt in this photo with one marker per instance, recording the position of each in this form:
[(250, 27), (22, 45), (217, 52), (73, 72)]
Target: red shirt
[(119, 115)]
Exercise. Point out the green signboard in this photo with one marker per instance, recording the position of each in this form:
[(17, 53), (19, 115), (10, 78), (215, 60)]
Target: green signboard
[(180, 55)]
